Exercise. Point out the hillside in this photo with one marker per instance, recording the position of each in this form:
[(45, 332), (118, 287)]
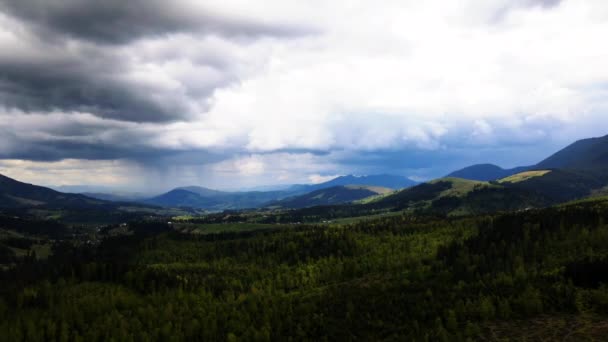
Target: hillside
[(485, 172), (204, 192), (182, 198), (385, 181), (524, 176), (538, 188), (456, 196), (209, 199), (203, 198), (582, 155), (330, 196), (525, 276), (15, 194), (114, 197), (41, 203)]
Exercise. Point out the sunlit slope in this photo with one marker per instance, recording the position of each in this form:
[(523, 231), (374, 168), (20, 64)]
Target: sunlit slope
[(455, 196), (331, 196), (524, 176)]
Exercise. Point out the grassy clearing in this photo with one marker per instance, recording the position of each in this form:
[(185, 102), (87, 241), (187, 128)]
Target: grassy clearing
[(524, 176), (460, 187)]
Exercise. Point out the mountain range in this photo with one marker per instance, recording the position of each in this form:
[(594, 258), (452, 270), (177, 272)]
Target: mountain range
[(330, 196), (577, 171), (586, 154), (344, 191)]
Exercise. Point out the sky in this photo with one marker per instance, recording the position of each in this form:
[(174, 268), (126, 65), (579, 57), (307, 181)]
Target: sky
[(146, 95)]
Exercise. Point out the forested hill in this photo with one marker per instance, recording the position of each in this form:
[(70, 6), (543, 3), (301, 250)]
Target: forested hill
[(15, 194), (587, 154), (330, 196), (486, 172), (204, 198), (590, 155), (384, 181), (529, 275)]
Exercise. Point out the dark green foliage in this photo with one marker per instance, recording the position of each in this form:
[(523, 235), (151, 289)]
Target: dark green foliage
[(405, 277), (18, 242), (562, 185), (588, 273), (422, 192), (7, 255), (35, 226), (14, 194)]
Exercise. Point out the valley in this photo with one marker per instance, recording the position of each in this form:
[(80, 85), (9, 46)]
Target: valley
[(522, 256)]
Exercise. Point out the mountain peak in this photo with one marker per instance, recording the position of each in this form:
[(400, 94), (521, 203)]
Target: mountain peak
[(582, 154), (485, 172), (381, 180)]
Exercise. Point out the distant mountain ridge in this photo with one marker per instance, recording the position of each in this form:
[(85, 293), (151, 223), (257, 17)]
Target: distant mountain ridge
[(577, 171), (205, 198), (15, 194), (330, 196), (200, 197), (486, 172), (585, 154), (382, 180)]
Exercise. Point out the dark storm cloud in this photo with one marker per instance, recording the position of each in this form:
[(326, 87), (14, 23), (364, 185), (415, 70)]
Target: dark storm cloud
[(83, 84), (76, 56), (56, 149), (49, 138), (121, 21), (46, 147)]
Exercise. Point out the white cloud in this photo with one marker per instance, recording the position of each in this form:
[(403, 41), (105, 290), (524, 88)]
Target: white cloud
[(407, 73), (421, 75), (316, 178), (115, 173)]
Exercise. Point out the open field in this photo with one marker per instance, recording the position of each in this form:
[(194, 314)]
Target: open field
[(524, 176)]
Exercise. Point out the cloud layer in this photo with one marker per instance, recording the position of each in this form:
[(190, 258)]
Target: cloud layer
[(227, 93)]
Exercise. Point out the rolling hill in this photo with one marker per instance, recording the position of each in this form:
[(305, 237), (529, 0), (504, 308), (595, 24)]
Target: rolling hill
[(330, 196), (182, 198), (456, 196), (199, 197), (586, 154), (486, 172), (15, 194), (385, 181), (205, 198), (41, 203)]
